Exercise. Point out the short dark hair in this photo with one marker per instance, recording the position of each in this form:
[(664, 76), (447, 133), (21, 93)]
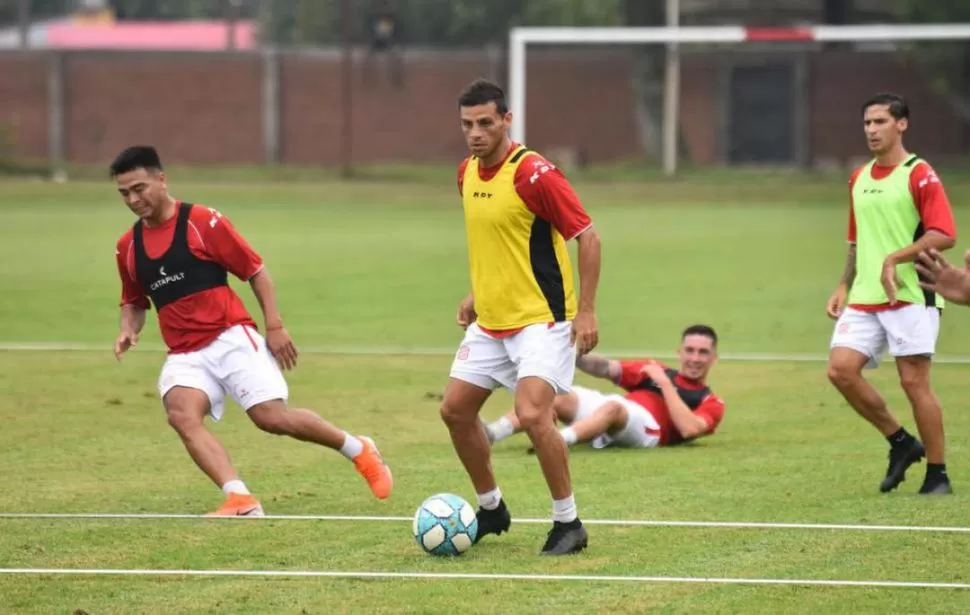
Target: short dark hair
[(704, 330), (136, 157), (482, 92), (898, 107)]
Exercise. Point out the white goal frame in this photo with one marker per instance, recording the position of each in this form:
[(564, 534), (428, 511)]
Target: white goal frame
[(673, 35)]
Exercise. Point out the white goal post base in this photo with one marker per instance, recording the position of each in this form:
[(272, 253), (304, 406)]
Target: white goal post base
[(520, 38)]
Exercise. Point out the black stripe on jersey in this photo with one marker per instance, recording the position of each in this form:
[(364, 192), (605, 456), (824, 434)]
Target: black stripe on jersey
[(928, 296), (522, 152), (911, 160), (545, 268)]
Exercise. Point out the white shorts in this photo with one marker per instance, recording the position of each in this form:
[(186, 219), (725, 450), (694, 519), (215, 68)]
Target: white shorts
[(540, 350), (906, 331), (237, 362), (641, 429)]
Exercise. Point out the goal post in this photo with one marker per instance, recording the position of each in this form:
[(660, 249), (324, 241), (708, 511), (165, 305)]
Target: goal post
[(520, 38)]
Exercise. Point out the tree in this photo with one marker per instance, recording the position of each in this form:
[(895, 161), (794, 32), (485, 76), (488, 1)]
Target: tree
[(947, 64)]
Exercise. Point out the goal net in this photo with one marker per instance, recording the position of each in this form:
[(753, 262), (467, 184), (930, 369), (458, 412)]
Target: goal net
[(727, 95)]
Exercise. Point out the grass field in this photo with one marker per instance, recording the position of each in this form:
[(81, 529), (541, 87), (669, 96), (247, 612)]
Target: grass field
[(369, 272)]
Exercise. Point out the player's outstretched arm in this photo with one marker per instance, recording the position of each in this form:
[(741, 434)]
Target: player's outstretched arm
[(599, 366), (585, 328), (277, 337), (131, 323)]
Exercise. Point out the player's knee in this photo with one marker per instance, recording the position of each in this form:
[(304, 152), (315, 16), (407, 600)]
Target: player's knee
[(533, 418), (841, 375), (273, 418), (182, 418), (914, 384), (185, 413), (613, 410), (456, 414)]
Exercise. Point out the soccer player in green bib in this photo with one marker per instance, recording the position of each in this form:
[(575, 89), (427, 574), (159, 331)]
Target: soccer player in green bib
[(897, 208)]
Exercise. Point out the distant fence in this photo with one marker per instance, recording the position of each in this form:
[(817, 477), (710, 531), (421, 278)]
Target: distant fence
[(799, 109)]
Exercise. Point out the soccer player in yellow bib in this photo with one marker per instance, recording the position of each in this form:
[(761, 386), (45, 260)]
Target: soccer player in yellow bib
[(898, 208), (523, 323)]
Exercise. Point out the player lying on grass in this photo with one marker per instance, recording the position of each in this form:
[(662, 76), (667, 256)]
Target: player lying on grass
[(662, 406), (177, 257)]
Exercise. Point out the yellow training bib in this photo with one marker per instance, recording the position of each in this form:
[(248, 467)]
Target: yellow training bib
[(520, 269)]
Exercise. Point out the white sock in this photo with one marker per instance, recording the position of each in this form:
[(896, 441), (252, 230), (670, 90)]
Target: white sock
[(564, 510), (235, 486), (490, 500), (501, 429), (568, 434), (352, 446)]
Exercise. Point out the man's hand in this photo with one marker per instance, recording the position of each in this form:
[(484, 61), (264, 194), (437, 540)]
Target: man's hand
[(890, 280), (466, 312), (836, 302), (584, 334), (655, 372), (126, 339), (942, 278), (281, 346)]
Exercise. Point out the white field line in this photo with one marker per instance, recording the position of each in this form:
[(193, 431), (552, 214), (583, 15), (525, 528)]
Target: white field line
[(443, 352), (458, 576), (605, 522)]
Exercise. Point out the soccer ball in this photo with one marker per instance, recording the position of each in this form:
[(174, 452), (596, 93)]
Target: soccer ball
[(445, 524)]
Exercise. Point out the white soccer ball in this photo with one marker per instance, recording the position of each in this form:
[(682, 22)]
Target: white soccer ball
[(445, 524)]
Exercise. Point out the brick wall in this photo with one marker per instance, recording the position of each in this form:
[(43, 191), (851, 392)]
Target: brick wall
[(207, 108)]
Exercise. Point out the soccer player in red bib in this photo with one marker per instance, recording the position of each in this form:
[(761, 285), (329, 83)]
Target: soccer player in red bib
[(662, 406), (897, 209), (177, 257), (523, 323)]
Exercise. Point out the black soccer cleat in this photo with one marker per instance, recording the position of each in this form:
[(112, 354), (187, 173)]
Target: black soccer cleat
[(900, 458), (493, 521), (936, 485), (565, 538)]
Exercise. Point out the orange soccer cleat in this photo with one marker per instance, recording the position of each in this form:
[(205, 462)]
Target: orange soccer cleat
[(371, 466), (238, 505)]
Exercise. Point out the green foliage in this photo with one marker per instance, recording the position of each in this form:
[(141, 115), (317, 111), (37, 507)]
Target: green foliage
[(947, 64)]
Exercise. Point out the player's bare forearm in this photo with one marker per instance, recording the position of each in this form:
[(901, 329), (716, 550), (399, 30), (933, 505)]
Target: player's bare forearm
[(132, 319), (687, 423), (262, 285), (931, 240), (599, 366), (848, 274), (589, 269)]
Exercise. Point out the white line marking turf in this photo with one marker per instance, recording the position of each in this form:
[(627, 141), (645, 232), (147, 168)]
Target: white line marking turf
[(479, 576), (605, 522)]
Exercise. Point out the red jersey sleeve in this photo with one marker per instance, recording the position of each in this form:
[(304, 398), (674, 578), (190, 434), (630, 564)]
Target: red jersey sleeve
[(630, 376), (931, 200), (223, 244), (131, 291), (711, 411), (548, 194), (461, 175), (851, 233)]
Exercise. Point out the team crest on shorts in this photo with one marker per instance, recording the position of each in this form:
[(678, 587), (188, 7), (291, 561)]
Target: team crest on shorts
[(463, 353), (844, 328)]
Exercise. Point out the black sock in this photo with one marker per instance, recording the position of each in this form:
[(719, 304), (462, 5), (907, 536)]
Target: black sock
[(936, 470), (900, 437)]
